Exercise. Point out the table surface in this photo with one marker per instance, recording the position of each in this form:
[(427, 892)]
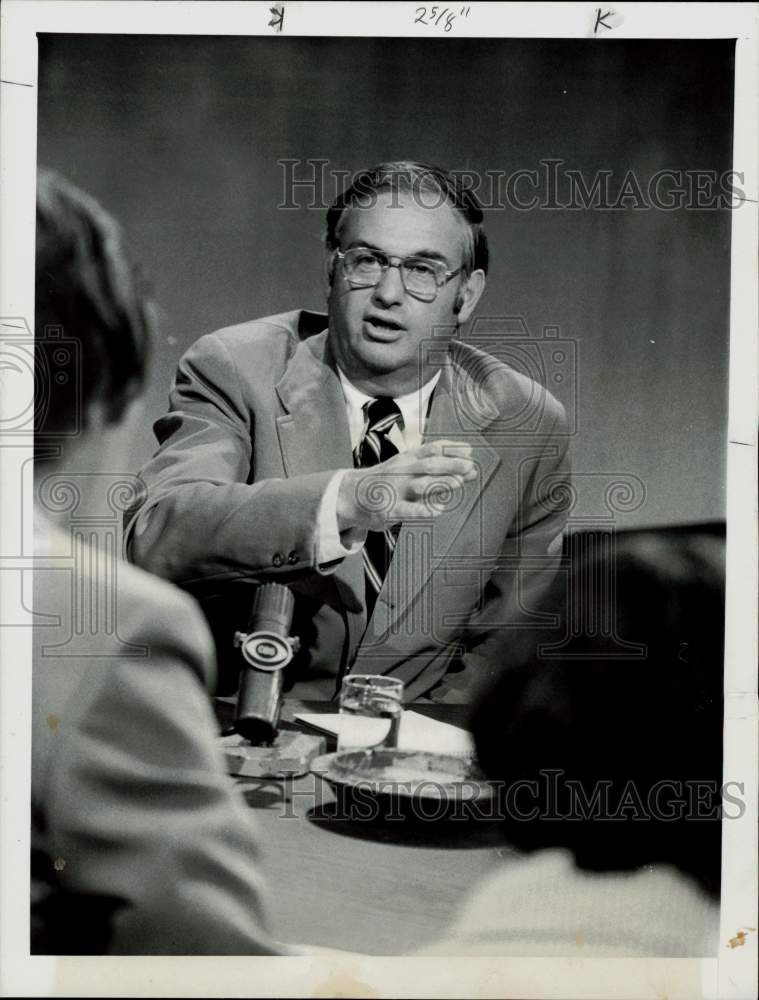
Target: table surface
[(382, 888)]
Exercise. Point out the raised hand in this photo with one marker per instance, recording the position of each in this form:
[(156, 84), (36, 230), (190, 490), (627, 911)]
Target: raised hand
[(419, 483)]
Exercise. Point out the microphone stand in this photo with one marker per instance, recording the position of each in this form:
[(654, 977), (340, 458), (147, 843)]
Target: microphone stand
[(258, 747)]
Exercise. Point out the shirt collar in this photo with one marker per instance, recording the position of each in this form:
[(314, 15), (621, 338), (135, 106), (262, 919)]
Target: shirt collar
[(413, 405)]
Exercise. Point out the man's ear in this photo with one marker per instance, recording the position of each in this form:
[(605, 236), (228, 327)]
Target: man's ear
[(469, 295), (328, 272)]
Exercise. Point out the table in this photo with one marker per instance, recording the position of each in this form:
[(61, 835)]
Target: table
[(381, 889)]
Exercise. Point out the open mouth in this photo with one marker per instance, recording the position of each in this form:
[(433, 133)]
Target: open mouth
[(382, 327)]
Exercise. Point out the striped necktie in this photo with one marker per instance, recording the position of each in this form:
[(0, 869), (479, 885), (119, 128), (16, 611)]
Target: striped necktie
[(375, 447)]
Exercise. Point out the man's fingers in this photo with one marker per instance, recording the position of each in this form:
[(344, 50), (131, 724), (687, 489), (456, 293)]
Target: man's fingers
[(435, 491), (413, 510), (442, 465), (442, 458), (425, 497), (442, 447), (420, 483)]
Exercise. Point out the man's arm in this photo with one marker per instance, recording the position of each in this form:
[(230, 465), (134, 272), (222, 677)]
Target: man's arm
[(202, 517)]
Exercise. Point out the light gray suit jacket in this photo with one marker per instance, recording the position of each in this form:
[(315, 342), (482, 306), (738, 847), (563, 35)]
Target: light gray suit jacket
[(257, 425), (140, 844)]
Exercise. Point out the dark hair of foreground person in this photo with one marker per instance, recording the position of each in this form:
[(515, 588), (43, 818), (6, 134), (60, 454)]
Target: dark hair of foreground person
[(590, 718)]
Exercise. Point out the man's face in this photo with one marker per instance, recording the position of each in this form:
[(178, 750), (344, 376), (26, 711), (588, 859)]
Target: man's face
[(376, 333)]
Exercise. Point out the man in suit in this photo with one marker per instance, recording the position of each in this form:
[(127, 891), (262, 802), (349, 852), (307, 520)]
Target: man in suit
[(140, 844), (393, 476)]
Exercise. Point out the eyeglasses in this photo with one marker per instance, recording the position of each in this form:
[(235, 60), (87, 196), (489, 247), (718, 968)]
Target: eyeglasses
[(421, 276)]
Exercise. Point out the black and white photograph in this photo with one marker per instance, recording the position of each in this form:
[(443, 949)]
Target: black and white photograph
[(378, 570)]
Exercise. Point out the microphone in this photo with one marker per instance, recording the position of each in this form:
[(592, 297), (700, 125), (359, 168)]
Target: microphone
[(266, 649)]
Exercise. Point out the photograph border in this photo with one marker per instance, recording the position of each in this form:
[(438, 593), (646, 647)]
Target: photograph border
[(733, 974)]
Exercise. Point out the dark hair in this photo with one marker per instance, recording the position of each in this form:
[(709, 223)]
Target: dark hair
[(417, 178), (589, 716), (89, 308)]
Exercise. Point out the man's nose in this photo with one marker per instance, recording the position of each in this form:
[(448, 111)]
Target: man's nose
[(390, 289)]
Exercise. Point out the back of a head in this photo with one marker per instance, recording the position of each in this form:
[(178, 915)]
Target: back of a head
[(92, 321), (624, 751)]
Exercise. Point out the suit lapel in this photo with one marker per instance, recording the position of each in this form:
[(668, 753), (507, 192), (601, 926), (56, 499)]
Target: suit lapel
[(422, 547), (313, 433), (314, 436)]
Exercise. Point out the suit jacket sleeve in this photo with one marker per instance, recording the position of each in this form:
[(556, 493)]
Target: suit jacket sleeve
[(509, 615), (203, 516), (139, 813)]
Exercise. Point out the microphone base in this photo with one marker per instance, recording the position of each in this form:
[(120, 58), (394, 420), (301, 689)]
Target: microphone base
[(289, 756)]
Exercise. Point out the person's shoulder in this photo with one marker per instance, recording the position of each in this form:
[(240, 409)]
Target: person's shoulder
[(145, 612), (142, 628), (287, 328), (513, 395), (156, 614), (141, 589), (269, 342)]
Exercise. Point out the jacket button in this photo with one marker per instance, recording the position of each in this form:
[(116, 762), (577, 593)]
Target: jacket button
[(277, 559), (292, 558)]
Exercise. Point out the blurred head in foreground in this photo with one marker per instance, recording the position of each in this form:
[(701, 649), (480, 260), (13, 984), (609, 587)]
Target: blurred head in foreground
[(129, 855), (92, 327), (619, 759)]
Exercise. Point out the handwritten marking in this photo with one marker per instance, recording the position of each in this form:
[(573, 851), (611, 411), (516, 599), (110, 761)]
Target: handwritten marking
[(600, 20), (608, 19), (16, 83), (278, 19), (434, 15), (52, 721)]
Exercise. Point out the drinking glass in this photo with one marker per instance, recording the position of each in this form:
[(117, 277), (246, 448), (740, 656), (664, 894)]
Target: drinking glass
[(370, 711)]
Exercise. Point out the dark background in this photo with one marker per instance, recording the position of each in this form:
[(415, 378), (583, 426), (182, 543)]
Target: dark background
[(180, 138)]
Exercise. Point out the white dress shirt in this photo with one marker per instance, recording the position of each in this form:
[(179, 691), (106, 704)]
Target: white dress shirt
[(407, 433)]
